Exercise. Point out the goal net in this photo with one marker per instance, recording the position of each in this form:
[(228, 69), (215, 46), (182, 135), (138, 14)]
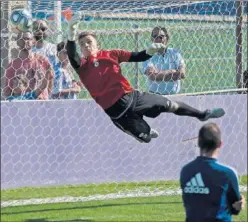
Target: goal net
[(59, 151)]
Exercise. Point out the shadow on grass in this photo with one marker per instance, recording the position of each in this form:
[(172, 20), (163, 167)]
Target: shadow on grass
[(45, 220), (84, 207)]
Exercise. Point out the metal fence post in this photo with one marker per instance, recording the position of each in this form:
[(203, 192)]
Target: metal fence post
[(136, 37), (239, 54)]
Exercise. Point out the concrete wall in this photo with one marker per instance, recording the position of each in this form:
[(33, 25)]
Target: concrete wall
[(71, 142)]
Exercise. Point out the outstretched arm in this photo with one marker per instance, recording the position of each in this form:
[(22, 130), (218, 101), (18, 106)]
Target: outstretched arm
[(146, 54), (71, 44), (73, 55), (139, 56)]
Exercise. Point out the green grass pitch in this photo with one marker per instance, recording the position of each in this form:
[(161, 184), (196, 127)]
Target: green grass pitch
[(149, 208)]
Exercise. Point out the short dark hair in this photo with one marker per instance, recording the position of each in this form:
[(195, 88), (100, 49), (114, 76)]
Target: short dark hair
[(86, 33), (209, 137), (158, 28), (61, 46)]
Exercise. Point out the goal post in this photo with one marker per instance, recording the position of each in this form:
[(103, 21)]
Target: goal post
[(57, 20)]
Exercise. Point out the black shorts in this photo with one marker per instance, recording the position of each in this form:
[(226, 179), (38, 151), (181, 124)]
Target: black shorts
[(128, 112)]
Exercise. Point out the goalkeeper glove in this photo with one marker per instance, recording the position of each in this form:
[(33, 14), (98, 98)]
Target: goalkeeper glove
[(154, 48), (73, 26)]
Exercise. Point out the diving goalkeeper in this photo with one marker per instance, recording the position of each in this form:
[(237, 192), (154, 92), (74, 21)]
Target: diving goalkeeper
[(100, 72)]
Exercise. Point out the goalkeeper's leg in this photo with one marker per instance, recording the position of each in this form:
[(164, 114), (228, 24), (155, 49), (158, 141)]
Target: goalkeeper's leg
[(151, 105), (134, 125)]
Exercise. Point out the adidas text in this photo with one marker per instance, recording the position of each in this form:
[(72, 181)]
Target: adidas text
[(200, 190)]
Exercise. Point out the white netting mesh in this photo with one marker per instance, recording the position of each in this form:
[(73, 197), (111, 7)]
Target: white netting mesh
[(53, 143)]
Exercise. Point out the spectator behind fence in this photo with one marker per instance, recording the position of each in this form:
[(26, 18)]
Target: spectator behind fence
[(210, 189), (65, 86), (42, 46), (166, 68), (34, 67)]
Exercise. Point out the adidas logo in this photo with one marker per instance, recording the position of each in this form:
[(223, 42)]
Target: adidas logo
[(196, 185)]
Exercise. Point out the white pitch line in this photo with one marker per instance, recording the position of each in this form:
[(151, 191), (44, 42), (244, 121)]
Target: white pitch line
[(119, 195)]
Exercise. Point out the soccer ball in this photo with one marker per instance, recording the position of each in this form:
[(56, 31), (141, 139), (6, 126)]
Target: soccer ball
[(21, 20)]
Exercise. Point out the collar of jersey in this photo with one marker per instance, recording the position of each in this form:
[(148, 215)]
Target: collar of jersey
[(206, 158)]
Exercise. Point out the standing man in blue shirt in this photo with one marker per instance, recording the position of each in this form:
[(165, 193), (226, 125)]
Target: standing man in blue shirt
[(165, 69), (210, 190)]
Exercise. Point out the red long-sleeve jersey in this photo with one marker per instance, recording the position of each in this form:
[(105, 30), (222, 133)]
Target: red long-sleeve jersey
[(102, 76)]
